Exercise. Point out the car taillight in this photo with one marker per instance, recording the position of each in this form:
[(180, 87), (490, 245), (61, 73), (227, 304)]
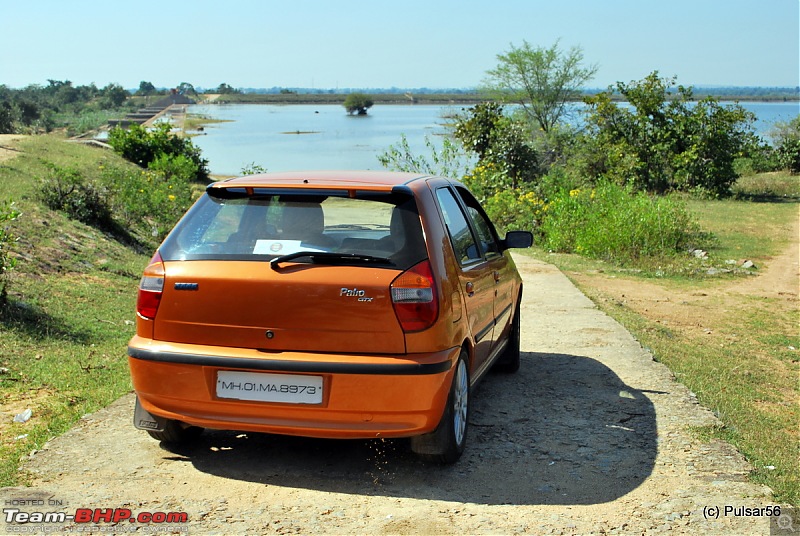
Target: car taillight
[(414, 298), (150, 288)]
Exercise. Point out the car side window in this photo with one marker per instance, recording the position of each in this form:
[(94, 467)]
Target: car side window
[(467, 251), (482, 225)]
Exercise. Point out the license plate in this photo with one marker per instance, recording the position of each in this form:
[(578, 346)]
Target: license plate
[(265, 387)]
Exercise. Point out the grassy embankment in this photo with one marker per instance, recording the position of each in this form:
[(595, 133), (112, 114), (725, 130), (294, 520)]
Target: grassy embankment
[(63, 337), (72, 297)]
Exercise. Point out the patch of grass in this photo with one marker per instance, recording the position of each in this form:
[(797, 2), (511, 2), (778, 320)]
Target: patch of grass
[(755, 231), (87, 121), (774, 186), (37, 154), (63, 335), (749, 385), (617, 224), (740, 230)]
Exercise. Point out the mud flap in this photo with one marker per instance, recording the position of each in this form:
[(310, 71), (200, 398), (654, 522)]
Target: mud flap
[(144, 420)]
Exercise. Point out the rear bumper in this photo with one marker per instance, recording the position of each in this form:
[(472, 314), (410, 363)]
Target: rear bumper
[(363, 396)]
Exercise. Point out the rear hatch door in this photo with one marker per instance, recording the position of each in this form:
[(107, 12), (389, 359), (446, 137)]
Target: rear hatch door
[(289, 270), (296, 307)]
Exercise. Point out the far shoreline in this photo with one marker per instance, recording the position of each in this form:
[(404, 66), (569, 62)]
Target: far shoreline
[(467, 99)]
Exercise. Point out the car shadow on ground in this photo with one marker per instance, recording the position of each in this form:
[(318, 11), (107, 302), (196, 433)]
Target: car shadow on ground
[(563, 430)]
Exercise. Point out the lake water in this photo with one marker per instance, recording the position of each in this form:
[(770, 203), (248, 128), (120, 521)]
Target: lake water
[(289, 137)]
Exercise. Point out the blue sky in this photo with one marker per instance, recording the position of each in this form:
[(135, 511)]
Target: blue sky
[(409, 43)]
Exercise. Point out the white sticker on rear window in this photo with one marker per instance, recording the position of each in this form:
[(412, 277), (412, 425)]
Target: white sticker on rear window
[(281, 247)]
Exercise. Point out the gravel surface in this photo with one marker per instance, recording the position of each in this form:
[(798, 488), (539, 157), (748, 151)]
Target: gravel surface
[(591, 436)]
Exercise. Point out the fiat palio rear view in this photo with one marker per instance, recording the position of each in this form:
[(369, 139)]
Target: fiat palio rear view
[(326, 304)]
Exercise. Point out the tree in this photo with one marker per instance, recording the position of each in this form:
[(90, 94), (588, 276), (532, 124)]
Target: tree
[(225, 89), (114, 95), (357, 103), (664, 140), (185, 88), (498, 139), (146, 88), (6, 118), (28, 112), (541, 80), (62, 92), (474, 128)]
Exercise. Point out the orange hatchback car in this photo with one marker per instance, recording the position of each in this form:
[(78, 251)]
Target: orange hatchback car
[(326, 304)]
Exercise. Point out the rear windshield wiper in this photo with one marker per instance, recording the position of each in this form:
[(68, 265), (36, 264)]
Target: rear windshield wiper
[(359, 226), (319, 257)]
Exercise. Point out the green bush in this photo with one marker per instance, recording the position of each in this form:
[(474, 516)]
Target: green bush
[(86, 121), (144, 203), (175, 168), (789, 155), (148, 202), (509, 206), (357, 103), (143, 147), (616, 223), (7, 214), (66, 189), (786, 138), (760, 159), (447, 160)]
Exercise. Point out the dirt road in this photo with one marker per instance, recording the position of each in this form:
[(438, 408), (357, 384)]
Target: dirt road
[(590, 436)]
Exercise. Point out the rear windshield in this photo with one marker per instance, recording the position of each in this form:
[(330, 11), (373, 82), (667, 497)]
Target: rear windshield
[(226, 224)]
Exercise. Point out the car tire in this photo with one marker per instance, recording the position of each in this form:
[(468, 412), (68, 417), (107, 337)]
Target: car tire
[(446, 444), (176, 433), (508, 362)]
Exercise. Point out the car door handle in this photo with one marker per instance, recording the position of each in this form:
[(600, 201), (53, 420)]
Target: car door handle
[(470, 288), (496, 276)]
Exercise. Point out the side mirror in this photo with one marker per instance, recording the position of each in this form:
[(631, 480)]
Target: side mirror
[(518, 239)]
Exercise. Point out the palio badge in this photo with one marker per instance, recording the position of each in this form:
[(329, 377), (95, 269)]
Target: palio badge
[(355, 293)]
